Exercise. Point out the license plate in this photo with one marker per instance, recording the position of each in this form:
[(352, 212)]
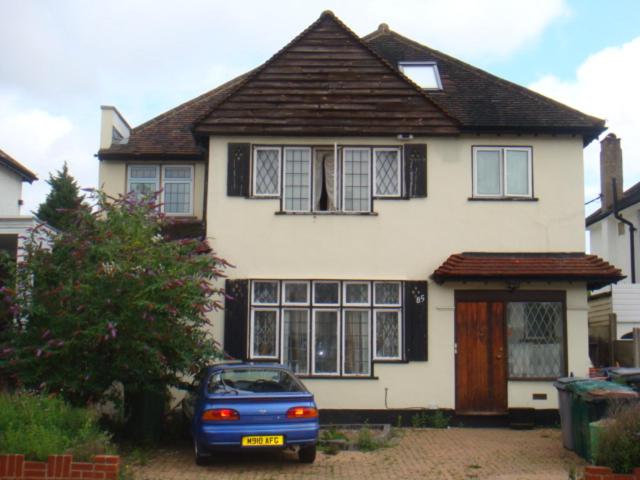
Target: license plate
[(263, 441)]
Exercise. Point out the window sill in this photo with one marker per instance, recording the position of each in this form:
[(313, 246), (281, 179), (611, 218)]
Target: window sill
[(335, 377), (533, 379), (325, 214), (503, 199)]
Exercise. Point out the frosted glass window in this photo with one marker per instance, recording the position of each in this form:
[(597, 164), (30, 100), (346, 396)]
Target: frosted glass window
[(488, 172), (297, 179), (517, 172)]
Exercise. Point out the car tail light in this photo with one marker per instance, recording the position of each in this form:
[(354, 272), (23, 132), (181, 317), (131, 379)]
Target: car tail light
[(302, 412), (220, 414)]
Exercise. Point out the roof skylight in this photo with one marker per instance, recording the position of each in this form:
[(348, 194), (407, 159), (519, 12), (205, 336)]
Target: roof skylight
[(424, 74)]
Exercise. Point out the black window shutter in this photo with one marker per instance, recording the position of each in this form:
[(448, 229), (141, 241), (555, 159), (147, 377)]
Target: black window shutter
[(236, 311), (415, 321), (415, 170), (238, 169)]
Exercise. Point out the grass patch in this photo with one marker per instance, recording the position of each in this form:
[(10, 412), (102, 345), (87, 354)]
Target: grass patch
[(38, 426)]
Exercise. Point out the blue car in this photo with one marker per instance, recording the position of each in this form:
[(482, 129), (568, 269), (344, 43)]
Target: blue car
[(246, 406)]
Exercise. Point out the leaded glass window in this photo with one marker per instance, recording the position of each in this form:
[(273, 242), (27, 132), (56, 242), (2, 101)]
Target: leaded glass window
[(177, 186), (535, 339), (386, 293), (325, 342), (143, 179), (386, 172), (297, 179), (356, 359), (265, 333), (265, 292), (266, 171), (295, 340), (356, 180), (356, 293), (326, 293), (295, 293), (387, 328)]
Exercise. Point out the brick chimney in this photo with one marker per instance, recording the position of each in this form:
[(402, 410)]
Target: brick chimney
[(610, 167)]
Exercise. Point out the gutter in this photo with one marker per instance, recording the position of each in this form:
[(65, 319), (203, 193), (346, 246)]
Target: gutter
[(632, 230)]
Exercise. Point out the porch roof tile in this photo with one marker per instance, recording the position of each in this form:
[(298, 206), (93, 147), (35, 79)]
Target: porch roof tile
[(528, 266)]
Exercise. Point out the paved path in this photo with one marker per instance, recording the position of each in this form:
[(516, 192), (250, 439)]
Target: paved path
[(455, 453)]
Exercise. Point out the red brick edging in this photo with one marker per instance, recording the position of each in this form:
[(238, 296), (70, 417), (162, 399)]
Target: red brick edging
[(605, 473), (59, 467)]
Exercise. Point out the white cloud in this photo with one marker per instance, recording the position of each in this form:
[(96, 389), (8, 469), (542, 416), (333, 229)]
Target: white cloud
[(606, 85)]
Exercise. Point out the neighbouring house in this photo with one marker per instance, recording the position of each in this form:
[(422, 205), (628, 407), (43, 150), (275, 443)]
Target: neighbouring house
[(613, 233), (407, 229), (13, 225)]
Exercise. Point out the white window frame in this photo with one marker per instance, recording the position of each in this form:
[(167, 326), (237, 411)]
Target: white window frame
[(253, 293), (276, 356), (346, 304), (322, 305), (284, 176), (344, 187), (503, 171), (336, 179), (254, 169), (436, 72), (164, 181), (375, 173), (375, 333), (142, 180), (343, 344), (295, 304), (314, 311), (506, 171), (309, 346), (387, 305)]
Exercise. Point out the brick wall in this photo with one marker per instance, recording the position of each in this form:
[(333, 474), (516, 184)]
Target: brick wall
[(604, 473), (59, 467)]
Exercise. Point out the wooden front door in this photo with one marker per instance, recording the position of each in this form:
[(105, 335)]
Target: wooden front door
[(481, 364)]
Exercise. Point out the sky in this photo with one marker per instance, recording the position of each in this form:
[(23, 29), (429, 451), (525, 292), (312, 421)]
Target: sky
[(60, 60)]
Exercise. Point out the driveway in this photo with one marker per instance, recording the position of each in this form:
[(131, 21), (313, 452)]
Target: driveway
[(456, 453)]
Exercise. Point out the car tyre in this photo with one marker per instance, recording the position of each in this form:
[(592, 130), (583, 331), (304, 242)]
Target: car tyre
[(307, 454), (200, 458)]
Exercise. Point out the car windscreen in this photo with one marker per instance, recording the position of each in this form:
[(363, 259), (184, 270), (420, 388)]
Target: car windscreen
[(253, 380)]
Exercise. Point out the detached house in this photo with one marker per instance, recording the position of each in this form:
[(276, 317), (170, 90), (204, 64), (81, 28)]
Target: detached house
[(407, 229)]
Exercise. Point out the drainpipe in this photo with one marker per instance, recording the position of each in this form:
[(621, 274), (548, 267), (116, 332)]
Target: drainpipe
[(632, 230)]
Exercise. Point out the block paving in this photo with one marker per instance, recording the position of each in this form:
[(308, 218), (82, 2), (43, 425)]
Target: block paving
[(456, 453)]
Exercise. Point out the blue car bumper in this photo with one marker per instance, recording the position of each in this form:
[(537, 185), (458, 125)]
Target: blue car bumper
[(229, 436)]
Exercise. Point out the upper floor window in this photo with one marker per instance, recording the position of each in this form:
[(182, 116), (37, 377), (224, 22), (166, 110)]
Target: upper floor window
[(313, 181), (502, 172), (424, 74), (176, 182)]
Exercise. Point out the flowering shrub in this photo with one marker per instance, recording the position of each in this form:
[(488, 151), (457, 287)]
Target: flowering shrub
[(110, 300)]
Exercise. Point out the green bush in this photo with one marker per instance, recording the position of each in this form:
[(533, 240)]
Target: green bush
[(39, 426), (619, 443)]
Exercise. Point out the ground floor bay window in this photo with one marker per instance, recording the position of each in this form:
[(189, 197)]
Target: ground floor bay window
[(327, 328)]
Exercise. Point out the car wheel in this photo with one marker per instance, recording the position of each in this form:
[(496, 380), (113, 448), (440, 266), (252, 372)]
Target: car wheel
[(307, 454), (200, 458)]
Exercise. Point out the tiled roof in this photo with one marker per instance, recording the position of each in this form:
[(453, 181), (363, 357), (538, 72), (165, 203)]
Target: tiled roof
[(482, 101), (630, 197), (12, 164), (327, 81), (305, 88), (552, 267)]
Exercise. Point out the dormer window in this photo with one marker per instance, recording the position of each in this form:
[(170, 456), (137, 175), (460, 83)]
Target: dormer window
[(424, 74)]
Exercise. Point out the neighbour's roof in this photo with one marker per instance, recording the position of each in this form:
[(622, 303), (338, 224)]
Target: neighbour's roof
[(546, 267), (327, 81), (12, 164), (481, 101), (630, 197)]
